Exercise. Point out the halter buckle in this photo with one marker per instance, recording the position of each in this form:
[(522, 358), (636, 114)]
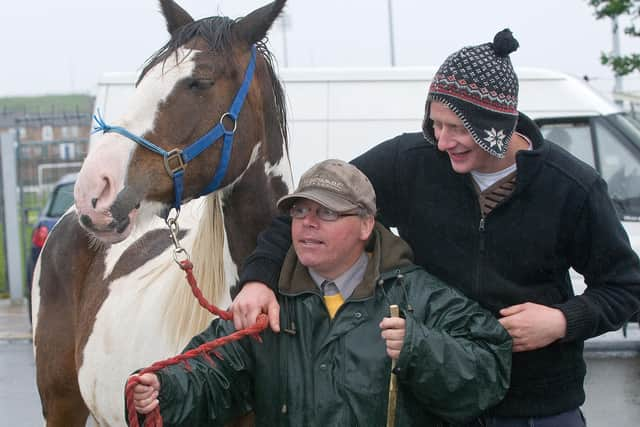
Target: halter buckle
[(229, 116), (171, 158)]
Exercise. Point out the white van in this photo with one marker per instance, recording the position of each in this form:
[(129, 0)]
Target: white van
[(342, 112)]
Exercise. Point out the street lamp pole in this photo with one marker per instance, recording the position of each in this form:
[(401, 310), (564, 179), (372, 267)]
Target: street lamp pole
[(284, 22), (392, 49), (617, 85)]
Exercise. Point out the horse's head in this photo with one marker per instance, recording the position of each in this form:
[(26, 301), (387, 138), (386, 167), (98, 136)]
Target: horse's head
[(198, 88)]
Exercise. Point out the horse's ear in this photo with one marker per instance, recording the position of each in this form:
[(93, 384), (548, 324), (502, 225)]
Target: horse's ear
[(253, 27), (175, 16)]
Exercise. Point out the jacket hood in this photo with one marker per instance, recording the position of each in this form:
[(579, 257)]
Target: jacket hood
[(295, 278)]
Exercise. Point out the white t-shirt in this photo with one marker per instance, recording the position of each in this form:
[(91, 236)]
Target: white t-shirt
[(486, 180)]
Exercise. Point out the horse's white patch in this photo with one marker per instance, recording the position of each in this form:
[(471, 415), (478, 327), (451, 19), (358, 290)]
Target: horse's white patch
[(146, 221), (129, 329), (281, 169), (231, 273), (255, 152), (134, 325), (35, 302), (155, 88)]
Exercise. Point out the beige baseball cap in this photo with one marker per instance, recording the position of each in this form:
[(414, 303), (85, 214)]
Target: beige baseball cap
[(334, 184)]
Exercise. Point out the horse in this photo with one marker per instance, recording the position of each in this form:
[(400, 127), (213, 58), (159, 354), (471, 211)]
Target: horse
[(108, 298)]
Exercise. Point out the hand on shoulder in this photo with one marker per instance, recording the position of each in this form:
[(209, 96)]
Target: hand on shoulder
[(255, 298)]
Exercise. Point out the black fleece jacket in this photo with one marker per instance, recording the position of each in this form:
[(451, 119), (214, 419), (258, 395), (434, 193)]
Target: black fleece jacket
[(559, 216)]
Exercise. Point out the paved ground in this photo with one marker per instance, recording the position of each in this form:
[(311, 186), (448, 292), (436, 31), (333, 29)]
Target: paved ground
[(14, 321), (19, 400), (612, 383), (613, 391)]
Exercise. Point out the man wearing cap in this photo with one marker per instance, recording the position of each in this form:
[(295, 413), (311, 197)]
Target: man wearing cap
[(332, 363), (490, 207)]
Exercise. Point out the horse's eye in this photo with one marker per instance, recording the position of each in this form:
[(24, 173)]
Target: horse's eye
[(199, 84)]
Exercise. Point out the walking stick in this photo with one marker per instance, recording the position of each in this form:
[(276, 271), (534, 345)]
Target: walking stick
[(393, 380)]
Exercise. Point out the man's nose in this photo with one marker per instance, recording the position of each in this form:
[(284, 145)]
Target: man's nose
[(445, 140), (310, 220)]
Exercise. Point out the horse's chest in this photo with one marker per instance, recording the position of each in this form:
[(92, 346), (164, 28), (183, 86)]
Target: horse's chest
[(127, 334), (144, 310)]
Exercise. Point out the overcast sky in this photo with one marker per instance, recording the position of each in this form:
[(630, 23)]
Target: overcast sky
[(63, 46)]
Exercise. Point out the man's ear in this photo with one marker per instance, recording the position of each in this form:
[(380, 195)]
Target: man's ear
[(366, 227)]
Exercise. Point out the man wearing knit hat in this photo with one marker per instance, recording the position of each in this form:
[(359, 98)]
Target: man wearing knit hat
[(490, 207), (331, 367)]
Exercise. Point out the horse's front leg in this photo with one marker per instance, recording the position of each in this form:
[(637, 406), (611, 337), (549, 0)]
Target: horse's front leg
[(56, 279)]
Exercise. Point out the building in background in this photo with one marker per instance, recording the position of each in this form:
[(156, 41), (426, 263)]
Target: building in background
[(52, 133)]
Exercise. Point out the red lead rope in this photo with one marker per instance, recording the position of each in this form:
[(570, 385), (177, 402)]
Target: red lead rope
[(154, 419)]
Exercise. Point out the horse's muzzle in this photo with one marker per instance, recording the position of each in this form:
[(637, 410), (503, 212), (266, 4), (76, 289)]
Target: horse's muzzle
[(117, 226)]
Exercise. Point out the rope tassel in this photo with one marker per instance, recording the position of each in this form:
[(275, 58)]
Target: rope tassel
[(101, 124)]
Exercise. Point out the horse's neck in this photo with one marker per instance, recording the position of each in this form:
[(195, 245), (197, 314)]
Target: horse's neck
[(228, 231), (219, 242), (249, 204), (250, 207)]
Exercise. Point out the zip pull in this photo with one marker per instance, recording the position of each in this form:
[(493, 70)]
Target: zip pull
[(481, 229)]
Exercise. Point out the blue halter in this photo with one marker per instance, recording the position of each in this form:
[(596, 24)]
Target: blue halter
[(175, 161)]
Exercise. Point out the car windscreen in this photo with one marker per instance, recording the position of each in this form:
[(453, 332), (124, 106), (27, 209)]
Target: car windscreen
[(61, 200)]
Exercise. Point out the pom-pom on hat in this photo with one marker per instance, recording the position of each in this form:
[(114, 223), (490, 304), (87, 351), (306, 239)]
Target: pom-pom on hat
[(479, 85)]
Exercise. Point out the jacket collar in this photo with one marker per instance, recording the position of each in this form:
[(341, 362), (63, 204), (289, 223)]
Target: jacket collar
[(529, 161), (295, 278)]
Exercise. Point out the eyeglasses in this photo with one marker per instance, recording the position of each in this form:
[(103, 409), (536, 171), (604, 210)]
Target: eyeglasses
[(324, 214)]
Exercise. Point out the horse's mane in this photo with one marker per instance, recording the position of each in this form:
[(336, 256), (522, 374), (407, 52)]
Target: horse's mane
[(216, 32), (207, 255)]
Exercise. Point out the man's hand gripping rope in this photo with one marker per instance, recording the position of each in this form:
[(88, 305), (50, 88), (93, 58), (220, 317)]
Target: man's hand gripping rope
[(154, 419)]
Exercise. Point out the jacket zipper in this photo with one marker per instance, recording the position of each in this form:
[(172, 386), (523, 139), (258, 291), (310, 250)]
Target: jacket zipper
[(480, 258)]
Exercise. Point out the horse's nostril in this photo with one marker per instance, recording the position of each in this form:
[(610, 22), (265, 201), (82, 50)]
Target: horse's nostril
[(94, 202), (86, 221)]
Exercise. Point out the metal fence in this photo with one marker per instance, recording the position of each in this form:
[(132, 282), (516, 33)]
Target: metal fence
[(42, 164), (3, 260), (39, 165)]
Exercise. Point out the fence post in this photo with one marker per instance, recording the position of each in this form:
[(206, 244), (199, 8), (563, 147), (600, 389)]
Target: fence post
[(13, 247)]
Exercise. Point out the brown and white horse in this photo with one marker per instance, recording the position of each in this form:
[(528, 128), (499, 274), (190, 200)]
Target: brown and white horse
[(108, 297)]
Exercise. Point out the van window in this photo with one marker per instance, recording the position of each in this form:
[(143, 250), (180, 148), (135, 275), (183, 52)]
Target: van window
[(614, 151), (573, 137), (620, 168)]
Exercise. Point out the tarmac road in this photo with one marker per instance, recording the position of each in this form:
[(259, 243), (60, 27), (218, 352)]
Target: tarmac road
[(19, 400), (613, 391)]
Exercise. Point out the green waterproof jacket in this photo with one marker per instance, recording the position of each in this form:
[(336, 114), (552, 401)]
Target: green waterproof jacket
[(454, 364)]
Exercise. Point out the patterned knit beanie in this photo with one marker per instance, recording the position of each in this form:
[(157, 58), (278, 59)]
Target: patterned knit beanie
[(479, 85)]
